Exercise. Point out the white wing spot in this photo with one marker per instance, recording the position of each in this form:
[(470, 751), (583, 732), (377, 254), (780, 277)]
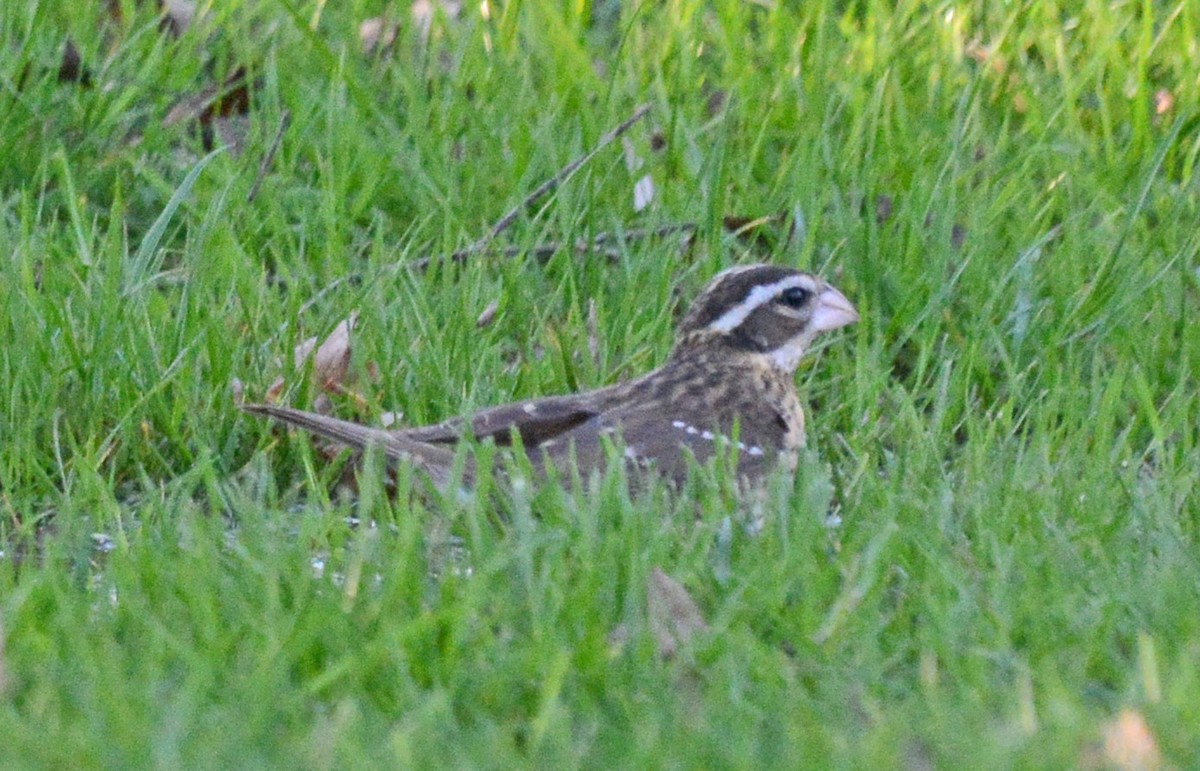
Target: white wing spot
[(678, 423), (706, 435), (530, 407), (631, 453), (755, 450), (692, 430)]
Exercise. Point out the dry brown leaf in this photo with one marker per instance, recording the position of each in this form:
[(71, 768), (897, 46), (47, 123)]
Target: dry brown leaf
[(330, 368), (322, 405), (303, 350), (422, 16), (958, 235), (884, 205), (331, 362), (232, 132), (274, 391), (1129, 744), (716, 102), (985, 54), (229, 98), (1164, 100), (488, 315), (221, 111), (643, 193), (71, 69), (177, 15), (674, 616), (377, 35), (423, 12)]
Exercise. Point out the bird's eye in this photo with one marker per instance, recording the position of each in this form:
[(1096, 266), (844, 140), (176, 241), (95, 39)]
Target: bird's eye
[(794, 296)]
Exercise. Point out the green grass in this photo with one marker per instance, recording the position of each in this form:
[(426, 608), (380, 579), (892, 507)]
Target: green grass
[(1009, 436)]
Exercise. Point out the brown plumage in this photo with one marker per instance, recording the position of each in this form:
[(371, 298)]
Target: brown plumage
[(730, 372)]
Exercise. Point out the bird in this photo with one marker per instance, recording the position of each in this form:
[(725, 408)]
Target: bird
[(727, 386)]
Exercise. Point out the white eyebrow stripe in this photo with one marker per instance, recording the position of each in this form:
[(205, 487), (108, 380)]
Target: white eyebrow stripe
[(759, 296)]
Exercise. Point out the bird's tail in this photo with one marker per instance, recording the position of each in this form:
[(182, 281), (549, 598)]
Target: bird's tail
[(437, 462)]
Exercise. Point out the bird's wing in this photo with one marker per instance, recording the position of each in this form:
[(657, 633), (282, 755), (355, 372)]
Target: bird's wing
[(437, 462), (651, 438), (535, 420)]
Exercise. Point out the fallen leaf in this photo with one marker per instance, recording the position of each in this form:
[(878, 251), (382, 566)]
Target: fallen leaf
[(303, 350), (1129, 744), (71, 70), (883, 208), (716, 102), (221, 111), (1164, 100), (331, 362), (643, 193), (1019, 102), (958, 235), (674, 616), (423, 12), (177, 15), (422, 16), (985, 54), (231, 97), (231, 132), (377, 35), (488, 315), (274, 391)]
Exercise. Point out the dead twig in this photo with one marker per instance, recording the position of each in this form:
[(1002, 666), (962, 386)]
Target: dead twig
[(505, 222), (285, 120), (598, 243), (541, 251)]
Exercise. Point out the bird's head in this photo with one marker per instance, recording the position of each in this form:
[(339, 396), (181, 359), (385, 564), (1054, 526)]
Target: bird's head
[(764, 309)]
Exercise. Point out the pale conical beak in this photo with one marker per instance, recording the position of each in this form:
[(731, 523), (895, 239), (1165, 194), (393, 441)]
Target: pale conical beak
[(833, 311)]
